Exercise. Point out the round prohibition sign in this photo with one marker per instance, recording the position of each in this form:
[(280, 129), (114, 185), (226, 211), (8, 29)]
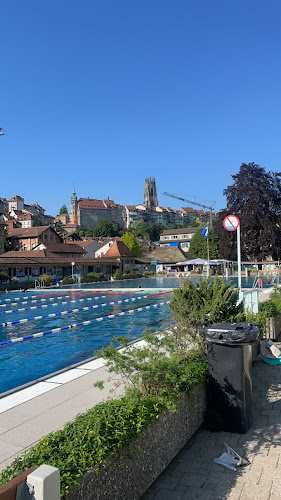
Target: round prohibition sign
[(231, 223)]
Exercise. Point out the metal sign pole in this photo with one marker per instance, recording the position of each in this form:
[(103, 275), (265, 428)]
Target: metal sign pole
[(208, 256), (239, 258)]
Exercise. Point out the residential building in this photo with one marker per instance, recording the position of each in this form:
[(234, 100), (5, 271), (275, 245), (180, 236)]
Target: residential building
[(65, 250), (16, 203), (178, 237), (122, 254), (103, 247), (25, 239), (89, 245), (4, 206)]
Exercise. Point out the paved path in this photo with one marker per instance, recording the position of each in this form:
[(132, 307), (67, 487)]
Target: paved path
[(28, 415), (194, 475)]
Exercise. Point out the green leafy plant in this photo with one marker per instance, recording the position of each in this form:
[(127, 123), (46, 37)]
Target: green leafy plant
[(208, 301), (91, 275), (100, 275), (163, 367), (89, 439), (117, 273)]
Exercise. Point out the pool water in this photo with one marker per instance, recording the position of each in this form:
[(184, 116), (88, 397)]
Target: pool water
[(23, 362)]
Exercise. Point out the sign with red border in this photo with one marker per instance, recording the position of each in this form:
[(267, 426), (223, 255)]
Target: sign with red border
[(231, 223)]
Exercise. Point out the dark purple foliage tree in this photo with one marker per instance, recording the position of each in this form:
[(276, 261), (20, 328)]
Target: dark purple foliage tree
[(254, 197)]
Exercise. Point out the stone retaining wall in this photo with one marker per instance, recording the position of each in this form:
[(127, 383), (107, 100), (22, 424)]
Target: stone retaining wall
[(128, 474)]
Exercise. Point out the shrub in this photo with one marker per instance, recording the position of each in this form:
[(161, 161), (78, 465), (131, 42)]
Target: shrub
[(163, 367), (117, 273), (67, 278), (91, 275), (159, 272), (270, 308), (89, 439), (3, 277), (100, 275), (149, 273)]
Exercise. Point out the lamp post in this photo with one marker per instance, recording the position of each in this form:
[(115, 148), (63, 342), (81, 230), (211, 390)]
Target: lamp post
[(1, 131), (72, 265)]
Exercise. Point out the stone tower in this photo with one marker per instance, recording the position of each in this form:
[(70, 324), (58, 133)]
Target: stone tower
[(150, 193), (74, 205)]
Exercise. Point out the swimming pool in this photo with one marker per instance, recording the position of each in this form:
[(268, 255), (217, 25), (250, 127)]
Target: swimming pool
[(75, 325), (23, 362)]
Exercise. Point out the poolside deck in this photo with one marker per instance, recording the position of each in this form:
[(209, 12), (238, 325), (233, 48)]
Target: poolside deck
[(192, 474)]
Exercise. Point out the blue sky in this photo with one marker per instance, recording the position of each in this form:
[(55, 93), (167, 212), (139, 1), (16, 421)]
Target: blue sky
[(102, 94)]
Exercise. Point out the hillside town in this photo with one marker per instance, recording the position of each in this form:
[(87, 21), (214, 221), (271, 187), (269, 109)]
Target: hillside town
[(34, 244)]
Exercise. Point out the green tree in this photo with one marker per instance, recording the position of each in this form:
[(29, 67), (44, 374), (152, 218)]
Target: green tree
[(105, 228), (138, 228), (36, 222), (198, 245), (255, 198), (150, 231), (131, 242), (63, 210)]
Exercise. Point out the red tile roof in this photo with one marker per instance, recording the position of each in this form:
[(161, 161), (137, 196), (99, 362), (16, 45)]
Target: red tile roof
[(119, 249), (29, 232), (93, 203)]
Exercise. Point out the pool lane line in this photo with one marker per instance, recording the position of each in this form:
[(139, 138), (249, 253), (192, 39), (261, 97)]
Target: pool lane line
[(30, 298), (71, 311), (41, 295), (82, 323), (62, 303)]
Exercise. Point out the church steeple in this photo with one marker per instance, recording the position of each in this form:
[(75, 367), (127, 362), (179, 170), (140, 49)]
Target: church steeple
[(74, 206)]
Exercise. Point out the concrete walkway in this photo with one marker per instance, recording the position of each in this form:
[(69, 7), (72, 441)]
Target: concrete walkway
[(28, 415), (193, 473)]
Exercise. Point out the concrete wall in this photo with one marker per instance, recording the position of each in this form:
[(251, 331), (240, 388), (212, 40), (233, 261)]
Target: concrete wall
[(127, 475)]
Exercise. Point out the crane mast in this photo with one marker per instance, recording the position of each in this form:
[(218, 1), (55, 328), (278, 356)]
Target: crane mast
[(194, 203)]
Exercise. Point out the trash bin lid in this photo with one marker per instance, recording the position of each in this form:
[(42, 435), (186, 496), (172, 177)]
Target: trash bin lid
[(231, 333)]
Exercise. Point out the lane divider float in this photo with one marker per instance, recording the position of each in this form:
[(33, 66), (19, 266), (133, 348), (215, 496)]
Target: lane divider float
[(31, 298), (82, 323), (71, 311), (41, 306)]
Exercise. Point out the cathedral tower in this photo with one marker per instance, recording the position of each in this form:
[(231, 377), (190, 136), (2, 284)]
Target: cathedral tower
[(150, 193)]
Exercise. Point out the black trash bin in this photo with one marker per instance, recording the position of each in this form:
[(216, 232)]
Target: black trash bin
[(230, 349)]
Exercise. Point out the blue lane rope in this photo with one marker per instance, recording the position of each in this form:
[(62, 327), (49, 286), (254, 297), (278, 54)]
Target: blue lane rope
[(56, 304), (83, 323), (30, 299), (70, 311)]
